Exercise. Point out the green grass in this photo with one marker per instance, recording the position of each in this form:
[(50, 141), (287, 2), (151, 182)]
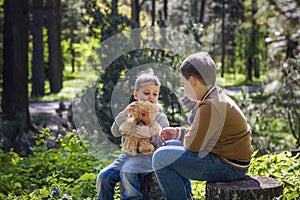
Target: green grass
[(231, 79), (73, 83), (80, 79)]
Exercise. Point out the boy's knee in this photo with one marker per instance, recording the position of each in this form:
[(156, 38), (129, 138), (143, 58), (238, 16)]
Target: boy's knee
[(101, 178), (174, 143), (98, 181), (166, 155), (156, 159)]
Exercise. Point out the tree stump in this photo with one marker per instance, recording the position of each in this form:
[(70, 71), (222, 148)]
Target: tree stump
[(150, 188), (251, 187)]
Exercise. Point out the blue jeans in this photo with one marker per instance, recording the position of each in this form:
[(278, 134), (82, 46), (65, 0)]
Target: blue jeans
[(174, 164), (106, 182), (131, 185), (126, 170)]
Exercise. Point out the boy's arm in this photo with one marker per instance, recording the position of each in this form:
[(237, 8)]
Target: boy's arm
[(163, 121), (120, 118), (181, 131)]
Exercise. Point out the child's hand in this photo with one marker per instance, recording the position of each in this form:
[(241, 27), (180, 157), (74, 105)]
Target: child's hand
[(168, 133), (143, 131), (129, 107)]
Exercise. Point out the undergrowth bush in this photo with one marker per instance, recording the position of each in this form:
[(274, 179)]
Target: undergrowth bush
[(285, 167), (70, 171)]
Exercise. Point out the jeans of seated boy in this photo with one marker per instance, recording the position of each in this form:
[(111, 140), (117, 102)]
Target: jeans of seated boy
[(131, 185), (172, 162), (109, 177), (186, 182), (130, 170), (106, 181)]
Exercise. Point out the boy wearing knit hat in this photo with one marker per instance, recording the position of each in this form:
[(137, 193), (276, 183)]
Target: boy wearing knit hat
[(216, 146)]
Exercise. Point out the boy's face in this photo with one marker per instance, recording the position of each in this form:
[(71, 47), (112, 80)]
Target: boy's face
[(188, 89), (148, 92)]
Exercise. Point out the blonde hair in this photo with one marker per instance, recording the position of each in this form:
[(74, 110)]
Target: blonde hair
[(146, 77)]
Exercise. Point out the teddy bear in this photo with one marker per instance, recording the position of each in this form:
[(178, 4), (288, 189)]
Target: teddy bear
[(143, 114)]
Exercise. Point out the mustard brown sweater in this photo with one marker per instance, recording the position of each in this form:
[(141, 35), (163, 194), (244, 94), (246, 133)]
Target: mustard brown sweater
[(220, 127)]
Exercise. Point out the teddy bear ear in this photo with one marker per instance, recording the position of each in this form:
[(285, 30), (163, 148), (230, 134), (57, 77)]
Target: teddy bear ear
[(154, 109)]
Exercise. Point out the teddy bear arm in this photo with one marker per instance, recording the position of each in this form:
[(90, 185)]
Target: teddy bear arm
[(125, 128)]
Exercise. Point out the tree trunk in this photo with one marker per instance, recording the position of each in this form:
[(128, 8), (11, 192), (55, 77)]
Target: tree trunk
[(15, 77), (251, 57), (254, 39), (59, 49), (55, 70), (135, 16), (150, 188), (194, 9), (73, 54), (153, 13), (223, 40), (202, 11), (135, 13), (249, 68), (38, 70), (251, 187), (165, 7)]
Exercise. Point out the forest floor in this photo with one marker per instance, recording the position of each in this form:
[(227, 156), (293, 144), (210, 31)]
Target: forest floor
[(54, 114), (49, 114)]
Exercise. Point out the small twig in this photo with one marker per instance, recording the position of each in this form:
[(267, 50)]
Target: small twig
[(288, 183), (284, 181)]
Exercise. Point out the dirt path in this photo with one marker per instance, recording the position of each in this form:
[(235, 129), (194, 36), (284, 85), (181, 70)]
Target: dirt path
[(44, 114), (50, 115), (46, 107), (50, 107)]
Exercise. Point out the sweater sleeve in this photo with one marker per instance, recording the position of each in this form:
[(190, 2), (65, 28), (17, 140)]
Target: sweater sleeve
[(120, 118), (162, 119), (205, 129)]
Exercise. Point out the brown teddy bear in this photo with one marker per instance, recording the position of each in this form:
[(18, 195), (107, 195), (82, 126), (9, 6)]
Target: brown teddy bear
[(143, 114)]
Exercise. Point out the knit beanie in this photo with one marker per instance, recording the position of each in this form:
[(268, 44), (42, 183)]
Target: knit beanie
[(200, 65)]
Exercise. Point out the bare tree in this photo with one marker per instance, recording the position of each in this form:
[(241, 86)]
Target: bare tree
[(153, 12), (165, 8), (16, 130), (194, 9), (38, 69), (136, 9), (202, 11), (252, 48), (223, 40), (55, 59), (135, 13)]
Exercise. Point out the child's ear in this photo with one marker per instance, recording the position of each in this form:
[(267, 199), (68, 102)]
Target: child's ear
[(192, 80)]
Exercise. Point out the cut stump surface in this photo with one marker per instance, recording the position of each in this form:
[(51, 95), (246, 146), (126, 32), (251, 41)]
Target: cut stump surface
[(251, 187)]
